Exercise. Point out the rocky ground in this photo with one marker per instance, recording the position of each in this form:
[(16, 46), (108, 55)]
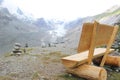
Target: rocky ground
[(42, 64)]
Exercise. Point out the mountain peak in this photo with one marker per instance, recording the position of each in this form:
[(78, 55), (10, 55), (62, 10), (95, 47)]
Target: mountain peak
[(19, 11), (4, 10)]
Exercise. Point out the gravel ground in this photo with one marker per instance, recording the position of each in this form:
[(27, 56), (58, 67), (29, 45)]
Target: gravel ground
[(41, 64), (36, 63)]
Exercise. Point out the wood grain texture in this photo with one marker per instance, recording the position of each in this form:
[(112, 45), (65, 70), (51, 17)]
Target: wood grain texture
[(95, 34), (81, 58), (85, 39), (110, 60), (103, 34), (92, 43)]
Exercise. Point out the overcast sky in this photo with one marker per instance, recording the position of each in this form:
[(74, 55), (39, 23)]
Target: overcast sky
[(62, 9)]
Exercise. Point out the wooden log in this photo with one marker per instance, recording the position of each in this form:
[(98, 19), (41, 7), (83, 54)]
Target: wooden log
[(110, 60), (89, 72)]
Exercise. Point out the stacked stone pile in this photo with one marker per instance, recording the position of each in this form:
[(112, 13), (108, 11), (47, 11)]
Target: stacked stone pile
[(17, 49)]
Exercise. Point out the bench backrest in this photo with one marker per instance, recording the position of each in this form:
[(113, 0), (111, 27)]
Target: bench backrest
[(102, 35), (95, 34)]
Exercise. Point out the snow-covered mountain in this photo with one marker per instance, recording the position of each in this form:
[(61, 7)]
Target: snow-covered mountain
[(22, 28)]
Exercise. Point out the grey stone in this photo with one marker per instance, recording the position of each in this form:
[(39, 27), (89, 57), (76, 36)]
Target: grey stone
[(17, 49)]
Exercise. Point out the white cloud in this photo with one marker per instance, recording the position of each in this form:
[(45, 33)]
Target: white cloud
[(68, 9)]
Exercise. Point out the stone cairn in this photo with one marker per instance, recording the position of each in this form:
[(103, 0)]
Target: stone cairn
[(17, 49)]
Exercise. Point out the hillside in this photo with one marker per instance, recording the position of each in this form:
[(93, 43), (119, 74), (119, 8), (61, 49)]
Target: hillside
[(16, 28), (111, 16)]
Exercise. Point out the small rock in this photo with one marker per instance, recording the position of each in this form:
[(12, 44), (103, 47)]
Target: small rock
[(69, 75), (42, 78), (18, 44), (117, 70), (16, 47), (17, 50)]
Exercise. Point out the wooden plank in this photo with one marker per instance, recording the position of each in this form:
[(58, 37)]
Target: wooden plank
[(109, 44), (104, 33), (85, 39), (81, 58)]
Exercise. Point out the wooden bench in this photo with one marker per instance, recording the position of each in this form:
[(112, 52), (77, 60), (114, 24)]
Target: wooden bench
[(92, 36)]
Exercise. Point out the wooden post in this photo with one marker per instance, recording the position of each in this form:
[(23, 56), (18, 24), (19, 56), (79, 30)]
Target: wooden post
[(92, 45), (89, 72)]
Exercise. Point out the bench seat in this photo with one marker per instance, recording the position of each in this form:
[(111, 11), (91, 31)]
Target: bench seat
[(81, 58)]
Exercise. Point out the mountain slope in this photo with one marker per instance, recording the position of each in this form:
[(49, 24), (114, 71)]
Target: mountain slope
[(14, 30), (111, 16)]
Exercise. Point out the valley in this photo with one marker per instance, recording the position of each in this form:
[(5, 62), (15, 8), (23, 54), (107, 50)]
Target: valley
[(48, 41)]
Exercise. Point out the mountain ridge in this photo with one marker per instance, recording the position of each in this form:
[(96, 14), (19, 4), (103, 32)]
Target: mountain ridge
[(28, 30), (108, 17)]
